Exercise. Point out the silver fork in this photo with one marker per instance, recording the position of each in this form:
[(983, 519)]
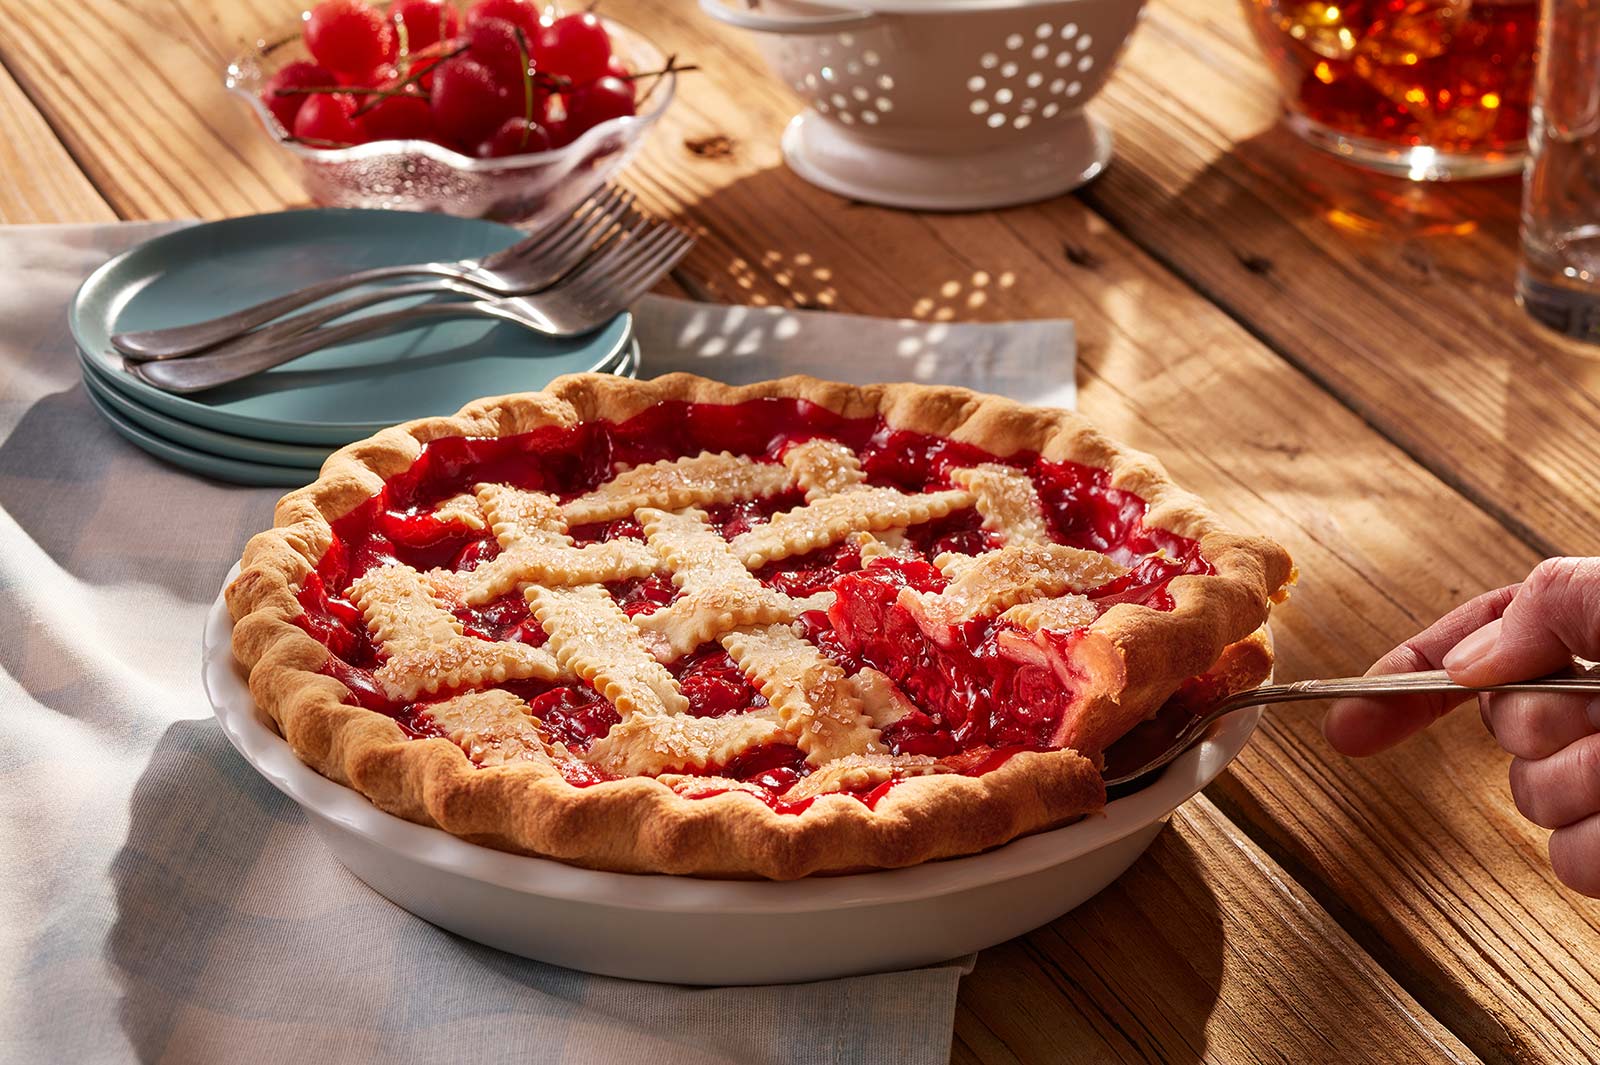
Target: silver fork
[(588, 298), (1380, 685), (628, 224), (526, 266)]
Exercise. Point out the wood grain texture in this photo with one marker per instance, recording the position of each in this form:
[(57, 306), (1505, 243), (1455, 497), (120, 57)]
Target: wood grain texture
[(1205, 951), (1420, 855), (156, 132), (42, 183), (1396, 295)]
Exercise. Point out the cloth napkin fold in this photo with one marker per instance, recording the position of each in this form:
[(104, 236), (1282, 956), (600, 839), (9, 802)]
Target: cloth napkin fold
[(160, 902)]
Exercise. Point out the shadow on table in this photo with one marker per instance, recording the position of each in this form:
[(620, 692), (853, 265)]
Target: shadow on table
[(199, 824), (1131, 975), (106, 513)]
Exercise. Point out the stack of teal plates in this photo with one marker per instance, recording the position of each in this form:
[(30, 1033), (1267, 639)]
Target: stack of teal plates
[(277, 427)]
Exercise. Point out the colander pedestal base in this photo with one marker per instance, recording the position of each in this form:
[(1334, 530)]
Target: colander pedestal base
[(835, 158)]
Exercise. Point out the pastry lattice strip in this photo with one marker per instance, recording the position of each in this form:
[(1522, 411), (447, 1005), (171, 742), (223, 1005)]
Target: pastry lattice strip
[(535, 548), (1006, 498), (823, 467), (718, 593), (426, 647), (832, 518), (1020, 573), (591, 636), (811, 693), (699, 480), (492, 727), (645, 744)]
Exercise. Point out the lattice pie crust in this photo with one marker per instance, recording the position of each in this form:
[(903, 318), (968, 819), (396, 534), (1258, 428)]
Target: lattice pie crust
[(495, 778)]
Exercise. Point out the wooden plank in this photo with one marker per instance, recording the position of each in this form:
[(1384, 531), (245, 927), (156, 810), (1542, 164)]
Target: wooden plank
[(1204, 951), (153, 128), (1421, 852), (1396, 295), (42, 184)]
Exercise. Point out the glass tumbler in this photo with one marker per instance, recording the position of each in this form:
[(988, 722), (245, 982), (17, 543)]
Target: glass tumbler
[(1424, 89), (1559, 281)]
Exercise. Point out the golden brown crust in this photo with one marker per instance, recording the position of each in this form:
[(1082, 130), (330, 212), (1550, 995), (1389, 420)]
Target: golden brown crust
[(642, 824)]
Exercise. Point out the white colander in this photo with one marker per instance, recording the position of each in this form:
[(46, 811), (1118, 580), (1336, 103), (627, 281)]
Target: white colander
[(942, 104)]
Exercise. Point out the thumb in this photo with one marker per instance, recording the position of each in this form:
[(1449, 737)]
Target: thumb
[(1554, 615)]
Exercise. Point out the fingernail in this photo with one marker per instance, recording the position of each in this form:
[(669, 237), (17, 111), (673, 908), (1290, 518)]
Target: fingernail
[(1473, 650)]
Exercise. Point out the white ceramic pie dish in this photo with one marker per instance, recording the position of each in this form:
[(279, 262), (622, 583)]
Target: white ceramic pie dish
[(696, 931)]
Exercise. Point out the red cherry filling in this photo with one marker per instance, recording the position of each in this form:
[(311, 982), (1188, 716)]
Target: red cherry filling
[(732, 519), (573, 714), (714, 685), (970, 694), (643, 595), (601, 531), (806, 575), (915, 462), (777, 768), (961, 532), (505, 619), (335, 622)]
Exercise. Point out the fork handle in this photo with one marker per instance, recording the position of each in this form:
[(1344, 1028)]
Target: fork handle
[(1436, 680), (208, 371), (177, 341), (280, 331)]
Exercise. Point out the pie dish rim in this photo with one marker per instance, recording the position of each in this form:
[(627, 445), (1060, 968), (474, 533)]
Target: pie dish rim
[(640, 825)]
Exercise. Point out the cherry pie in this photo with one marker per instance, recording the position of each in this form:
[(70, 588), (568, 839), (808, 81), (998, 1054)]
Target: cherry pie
[(676, 626)]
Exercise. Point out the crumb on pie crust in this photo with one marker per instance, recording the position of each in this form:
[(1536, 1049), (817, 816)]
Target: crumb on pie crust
[(655, 790)]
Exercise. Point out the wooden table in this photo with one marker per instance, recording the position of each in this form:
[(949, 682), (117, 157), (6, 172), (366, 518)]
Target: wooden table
[(1331, 358)]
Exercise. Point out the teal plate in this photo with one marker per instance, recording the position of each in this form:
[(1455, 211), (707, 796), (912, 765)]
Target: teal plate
[(231, 470), (340, 394), (222, 445), (242, 448)]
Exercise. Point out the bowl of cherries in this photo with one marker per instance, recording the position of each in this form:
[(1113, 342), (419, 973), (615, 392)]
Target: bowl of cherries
[(501, 109)]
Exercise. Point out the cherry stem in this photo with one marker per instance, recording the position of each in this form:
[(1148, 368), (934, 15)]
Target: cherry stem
[(668, 69), (269, 47), (405, 41), (672, 67), (339, 90), (411, 78), (524, 54)]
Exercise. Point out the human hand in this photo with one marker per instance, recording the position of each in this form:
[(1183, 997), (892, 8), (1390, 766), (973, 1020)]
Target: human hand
[(1510, 634)]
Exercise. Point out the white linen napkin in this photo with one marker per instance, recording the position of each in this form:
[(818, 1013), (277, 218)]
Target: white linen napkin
[(160, 902)]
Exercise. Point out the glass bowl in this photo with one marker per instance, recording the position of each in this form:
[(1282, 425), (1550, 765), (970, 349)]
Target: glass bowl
[(419, 175)]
